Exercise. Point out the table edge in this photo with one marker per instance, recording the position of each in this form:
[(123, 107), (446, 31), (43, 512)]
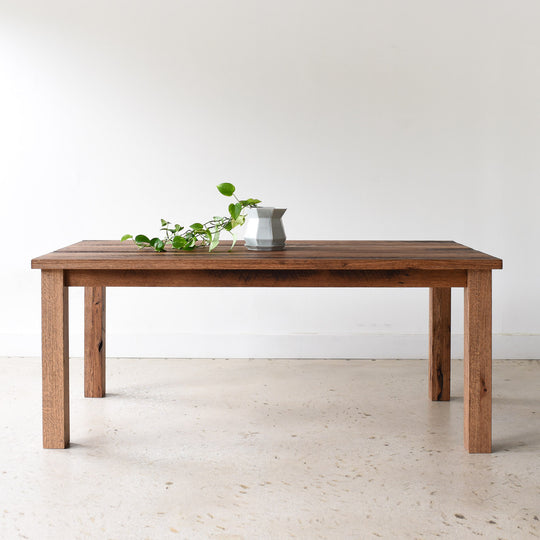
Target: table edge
[(484, 262)]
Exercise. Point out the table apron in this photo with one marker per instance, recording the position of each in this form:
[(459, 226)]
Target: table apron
[(265, 278)]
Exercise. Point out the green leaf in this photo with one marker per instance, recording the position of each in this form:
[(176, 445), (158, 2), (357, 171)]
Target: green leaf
[(190, 244), (233, 241), (142, 238), (197, 226), (228, 226), (164, 222), (154, 241), (126, 237), (250, 202), (159, 245), (178, 227), (226, 189), (178, 242), (215, 241), (240, 220), (235, 209)]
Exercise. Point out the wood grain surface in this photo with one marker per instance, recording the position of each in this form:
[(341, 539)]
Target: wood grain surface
[(439, 343), (477, 362), (55, 359), (94, 342), (266, 278), (298, 255)]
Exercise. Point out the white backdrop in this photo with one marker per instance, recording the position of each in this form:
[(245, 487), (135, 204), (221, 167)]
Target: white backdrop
[(378, 119)]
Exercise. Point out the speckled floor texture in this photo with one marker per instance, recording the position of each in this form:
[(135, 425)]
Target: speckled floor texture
[(268, 449)]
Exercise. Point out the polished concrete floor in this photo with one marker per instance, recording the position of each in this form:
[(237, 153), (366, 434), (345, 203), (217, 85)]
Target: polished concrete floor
[(268, 449)]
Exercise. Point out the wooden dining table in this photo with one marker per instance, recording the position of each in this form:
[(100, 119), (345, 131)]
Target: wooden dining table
[(436, 265)]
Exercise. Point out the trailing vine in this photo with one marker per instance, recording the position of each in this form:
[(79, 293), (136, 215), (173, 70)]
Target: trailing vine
[(199, 234)]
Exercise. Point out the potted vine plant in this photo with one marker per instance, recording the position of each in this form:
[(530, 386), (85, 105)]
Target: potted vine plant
[(199, 234)]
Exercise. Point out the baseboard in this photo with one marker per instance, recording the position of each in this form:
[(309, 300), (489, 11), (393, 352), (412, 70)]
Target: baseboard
[(406, 346)]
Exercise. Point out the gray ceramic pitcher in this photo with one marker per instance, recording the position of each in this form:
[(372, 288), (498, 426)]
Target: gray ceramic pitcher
[(264, 229)]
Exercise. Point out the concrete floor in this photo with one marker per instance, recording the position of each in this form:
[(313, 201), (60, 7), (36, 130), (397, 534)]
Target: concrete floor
[(268, 449)]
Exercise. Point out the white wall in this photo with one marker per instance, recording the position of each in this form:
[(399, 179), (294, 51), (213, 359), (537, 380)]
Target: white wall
[(378, 119)]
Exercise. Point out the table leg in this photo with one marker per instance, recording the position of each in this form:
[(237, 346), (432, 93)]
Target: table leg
[(477, 362), (94, 341), (55, 359), (439, 343)]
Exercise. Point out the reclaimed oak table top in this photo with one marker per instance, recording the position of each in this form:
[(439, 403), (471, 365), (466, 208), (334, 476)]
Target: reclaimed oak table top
[(436, 265), (298, 255)]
